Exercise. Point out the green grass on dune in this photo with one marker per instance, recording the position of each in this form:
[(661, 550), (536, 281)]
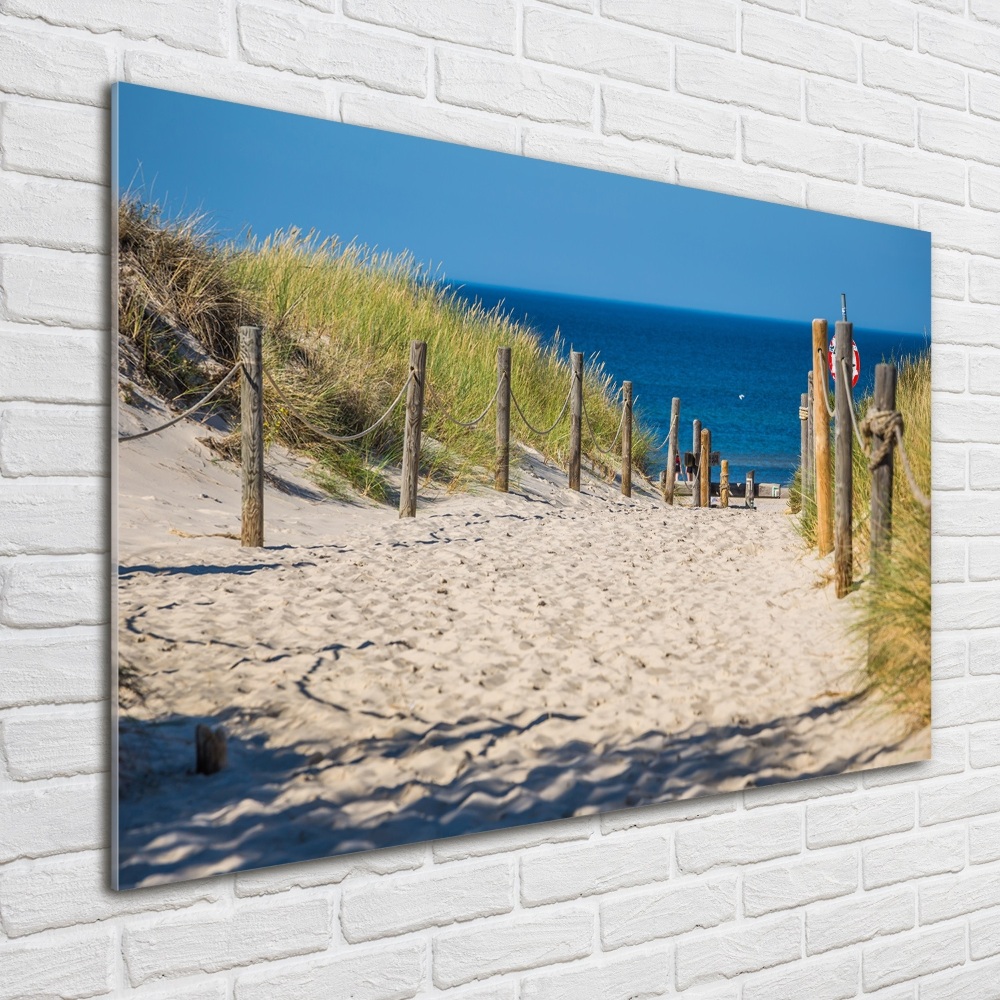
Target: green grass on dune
[(338, 322), (895, 606)]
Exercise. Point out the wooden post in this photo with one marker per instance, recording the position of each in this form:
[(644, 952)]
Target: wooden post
[(696, 448), (821, 427), (412, 428), (252, 438), (627, 439), (211, 754), (803, 446), (705, 468), (672, 450), (884, 398), (502, 480), (843, 462), (724, 483), (811, 451), (751, 489), (575, 416)]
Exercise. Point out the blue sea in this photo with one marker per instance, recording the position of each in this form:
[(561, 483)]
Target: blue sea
[(741, 376)]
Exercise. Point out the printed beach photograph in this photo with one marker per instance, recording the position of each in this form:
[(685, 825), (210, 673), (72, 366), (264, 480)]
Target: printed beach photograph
[(457, 490)]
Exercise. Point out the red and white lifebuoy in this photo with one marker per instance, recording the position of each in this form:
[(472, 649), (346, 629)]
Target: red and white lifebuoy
[(857, 361)]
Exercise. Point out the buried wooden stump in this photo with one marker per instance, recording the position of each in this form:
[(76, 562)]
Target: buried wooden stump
[(211, 754)]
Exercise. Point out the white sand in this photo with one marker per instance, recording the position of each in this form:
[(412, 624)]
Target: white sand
[(498, 660)]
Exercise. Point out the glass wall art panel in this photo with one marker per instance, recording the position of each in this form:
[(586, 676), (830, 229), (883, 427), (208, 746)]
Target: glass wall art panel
[(457, 490)]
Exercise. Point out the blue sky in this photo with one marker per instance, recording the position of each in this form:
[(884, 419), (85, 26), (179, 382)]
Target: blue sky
[(506, 220)]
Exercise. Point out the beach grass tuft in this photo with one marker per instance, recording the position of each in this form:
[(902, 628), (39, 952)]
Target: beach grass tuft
[(338, 320)]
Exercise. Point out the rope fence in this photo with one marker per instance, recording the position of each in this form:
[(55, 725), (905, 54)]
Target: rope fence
[(531, 427)]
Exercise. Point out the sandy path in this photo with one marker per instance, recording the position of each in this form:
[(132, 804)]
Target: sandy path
[(498, 660)]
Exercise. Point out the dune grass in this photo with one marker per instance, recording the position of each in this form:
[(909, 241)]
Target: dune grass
[(338, 321), (895, 601)]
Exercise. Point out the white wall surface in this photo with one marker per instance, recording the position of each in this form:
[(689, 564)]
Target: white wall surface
[(885, 884)]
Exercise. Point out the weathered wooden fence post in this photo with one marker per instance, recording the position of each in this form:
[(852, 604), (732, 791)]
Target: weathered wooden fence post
[(575, 416), (627, 439), (502, 480), (843, 460), (412, 428), (696, 451), (724, 483), (751, 488), (252, 438), (672, 450), (821, 426), (705, 468), (803, 447), (884, 398), (811, 451)]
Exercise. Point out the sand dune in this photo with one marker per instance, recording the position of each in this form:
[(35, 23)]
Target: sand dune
[(498, 660)]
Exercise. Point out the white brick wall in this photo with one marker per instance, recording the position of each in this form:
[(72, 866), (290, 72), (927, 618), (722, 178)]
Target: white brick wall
[(885, 884)]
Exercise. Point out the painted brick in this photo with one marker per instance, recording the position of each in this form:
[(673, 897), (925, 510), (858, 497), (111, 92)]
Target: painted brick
[(948, 750), (685, 125), (513, 839), (55, 288), (199, 943), (967, 606), (949, 472), (52, 140), (412, 117), (65, 967), (985, 10), (876, 19), (905, 958), (548, 877), (984, 936), (800, 791), (984, 280), (903, 73), (512, 88), (488, 26), (56, 744), (731, 80), (984, 468), (859, 818), (984, 648), (961, 229), (50, 818), (984, 188), (961, 42), (711, 174), (959, 799), (917, 174), (72, 890), (194, 24), (900, 860), (741, 839), (984, 371), (950, 368), (800, 148), (948, 278), (667, 912), (597, 47), (678, 811), (384, 973), (963, 324), (638, 159), (948, 558), (984, 747), (330, 871), (967, 702), (791, 42), (959, 135), (52, 366), (981, 509), (43, 440), (856, 109), (713, 22), (64, 215), (860, 203), (49, 591), (638, 976), (797, 883), (858, 919), (757, 944), (77, 69), (950, 896), (511, 945), (226, 80), (52, 667), (962, 984), (984, 96), (828, 979), (320, 47), (51, 518), (406, 903)]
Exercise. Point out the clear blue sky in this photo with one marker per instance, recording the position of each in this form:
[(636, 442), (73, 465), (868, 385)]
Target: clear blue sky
[(506, 220)]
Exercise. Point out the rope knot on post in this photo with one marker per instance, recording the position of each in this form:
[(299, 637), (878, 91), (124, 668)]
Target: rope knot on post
[(881, 424)]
